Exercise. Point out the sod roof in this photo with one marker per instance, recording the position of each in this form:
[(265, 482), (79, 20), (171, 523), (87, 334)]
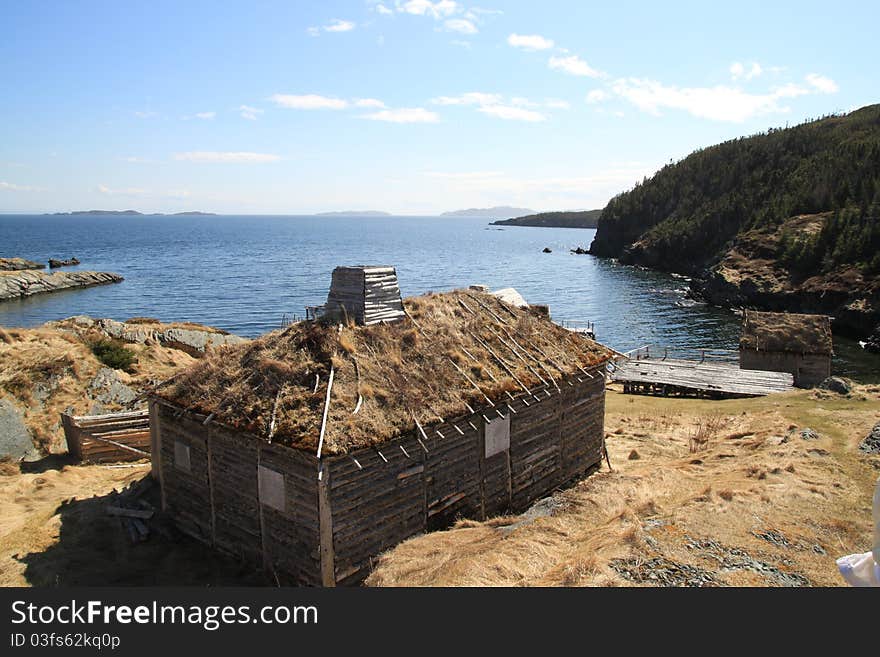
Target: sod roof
[(453, 349), (789, 332)]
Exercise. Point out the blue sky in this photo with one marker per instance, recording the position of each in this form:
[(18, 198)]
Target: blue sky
[(408, 106)]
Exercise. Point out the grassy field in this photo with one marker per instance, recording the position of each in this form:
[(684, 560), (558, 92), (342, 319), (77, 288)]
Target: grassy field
[(702, 493)]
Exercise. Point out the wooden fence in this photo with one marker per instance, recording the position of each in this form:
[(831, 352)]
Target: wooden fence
[(108, 438)]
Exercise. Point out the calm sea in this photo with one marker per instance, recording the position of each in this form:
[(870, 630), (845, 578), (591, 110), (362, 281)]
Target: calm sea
[(244, 273)]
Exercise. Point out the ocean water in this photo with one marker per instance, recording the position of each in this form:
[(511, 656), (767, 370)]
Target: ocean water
[(245, 273)]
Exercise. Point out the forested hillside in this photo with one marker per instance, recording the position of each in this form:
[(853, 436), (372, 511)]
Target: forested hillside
[(682, 218), (572, 219)]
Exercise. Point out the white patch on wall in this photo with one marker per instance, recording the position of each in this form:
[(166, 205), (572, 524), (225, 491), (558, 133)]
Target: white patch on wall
[(181, 456), (497, 435), (271, 487)]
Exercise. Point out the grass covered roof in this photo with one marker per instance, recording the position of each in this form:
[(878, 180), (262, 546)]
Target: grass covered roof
[(453, 349), (794, 333)]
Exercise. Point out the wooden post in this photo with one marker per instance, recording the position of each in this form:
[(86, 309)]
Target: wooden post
[(482, 443), (325, 516), (71, 434), (211, 487), (267, 561), (156, 450)]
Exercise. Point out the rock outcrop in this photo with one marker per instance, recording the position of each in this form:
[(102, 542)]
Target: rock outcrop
[(194, 339), (17, 264), (873, 341), (871, 443), (55, 264), (26, 283), (837, 384), (15, 439)]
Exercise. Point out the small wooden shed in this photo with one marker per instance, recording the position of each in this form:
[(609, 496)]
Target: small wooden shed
[(314, 448), (787, 342)]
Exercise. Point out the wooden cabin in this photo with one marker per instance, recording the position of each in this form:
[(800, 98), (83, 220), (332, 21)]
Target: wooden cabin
[(315, 448), (786, 342)]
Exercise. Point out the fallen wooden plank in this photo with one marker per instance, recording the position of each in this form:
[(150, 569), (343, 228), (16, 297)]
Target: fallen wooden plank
[(112, 510)]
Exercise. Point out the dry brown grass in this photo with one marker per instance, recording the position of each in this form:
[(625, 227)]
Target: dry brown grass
[(815, 493), (403, 369), (47, 371), (810, 334), (705, 430)]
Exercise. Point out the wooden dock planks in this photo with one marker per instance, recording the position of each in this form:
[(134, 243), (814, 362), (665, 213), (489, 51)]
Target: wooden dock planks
[(677, 376)]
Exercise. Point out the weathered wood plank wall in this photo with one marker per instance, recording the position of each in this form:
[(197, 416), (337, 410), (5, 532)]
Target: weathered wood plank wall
[(210, 485)]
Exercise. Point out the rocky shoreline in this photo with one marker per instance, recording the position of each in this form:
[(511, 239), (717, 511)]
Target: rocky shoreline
[(856, 311), (18, 264), (19, 284)]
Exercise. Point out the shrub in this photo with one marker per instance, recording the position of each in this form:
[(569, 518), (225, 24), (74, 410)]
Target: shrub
[(114, 354)]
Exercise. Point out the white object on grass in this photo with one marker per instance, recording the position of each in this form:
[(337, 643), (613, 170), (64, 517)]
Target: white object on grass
[(864, 569)]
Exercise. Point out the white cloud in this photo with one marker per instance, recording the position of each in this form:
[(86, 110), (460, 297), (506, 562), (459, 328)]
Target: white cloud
[(822, 84), (128, 191), (519, 101), (463, 175), (313, 31), (555, 103), (529, 41), (549, 103), (206, 116), (138, 192), (738, 71), (369, 102), (436, 10), (12, 187), (337, 25), (471, 98), (404, 115), (308, 102), (382, 9), (226, 157), (597, 96), (495, 105), (719, 103), (512, 113), (573, 65), (460, 25), (249, 113)]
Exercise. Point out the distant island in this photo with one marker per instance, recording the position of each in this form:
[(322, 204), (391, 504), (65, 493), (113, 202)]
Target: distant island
[(498, 212), (569, 219), (130, 213), (354, 213)]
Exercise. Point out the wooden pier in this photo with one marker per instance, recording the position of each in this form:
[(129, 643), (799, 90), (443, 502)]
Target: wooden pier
[(669, 377)]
